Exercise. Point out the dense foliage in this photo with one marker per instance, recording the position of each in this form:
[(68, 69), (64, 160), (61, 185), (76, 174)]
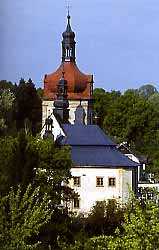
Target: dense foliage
[(28, 160), (21, 107), (139, 230), (132, 117), (21, 217)]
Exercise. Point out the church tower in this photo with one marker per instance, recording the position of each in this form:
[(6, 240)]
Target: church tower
[(79, 85), (68, 43)]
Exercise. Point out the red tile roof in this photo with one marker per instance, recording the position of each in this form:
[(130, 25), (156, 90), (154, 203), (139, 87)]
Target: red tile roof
[(79, 84)]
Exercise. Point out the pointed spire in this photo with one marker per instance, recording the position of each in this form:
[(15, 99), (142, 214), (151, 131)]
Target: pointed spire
[(68, 42), (68, 29)]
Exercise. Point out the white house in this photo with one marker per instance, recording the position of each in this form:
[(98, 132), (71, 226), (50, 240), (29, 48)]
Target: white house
[(100, 171)]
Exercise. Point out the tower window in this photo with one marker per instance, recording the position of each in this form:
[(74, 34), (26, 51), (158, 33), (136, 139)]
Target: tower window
[(76, 203), (112, 182), (99, 181), (77, 181)]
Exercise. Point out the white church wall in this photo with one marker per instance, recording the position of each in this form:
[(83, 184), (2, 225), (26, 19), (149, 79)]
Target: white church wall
[(47, 108), (126, 184), (47, 111), (89, 192), (72, 107)]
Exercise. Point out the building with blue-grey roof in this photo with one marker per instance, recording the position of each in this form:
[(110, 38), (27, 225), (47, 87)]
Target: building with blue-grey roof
[(100, 171)]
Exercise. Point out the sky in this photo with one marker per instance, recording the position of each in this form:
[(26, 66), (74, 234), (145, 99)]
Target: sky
[(117, 40)]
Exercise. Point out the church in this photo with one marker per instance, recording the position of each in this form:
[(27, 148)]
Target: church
[(100, 171)]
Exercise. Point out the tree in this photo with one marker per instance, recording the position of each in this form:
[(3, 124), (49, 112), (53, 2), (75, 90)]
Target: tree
[(98, 91), (103, 101), (21, 217), (28, 107), (18, 158), (7, 100), (7, 85), (147, 90), (139, 230), (26, 159), (133, 119), (154, 100), (40, 92), (104, 218)]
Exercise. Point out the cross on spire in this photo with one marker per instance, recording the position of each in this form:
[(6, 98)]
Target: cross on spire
[(68, 6)]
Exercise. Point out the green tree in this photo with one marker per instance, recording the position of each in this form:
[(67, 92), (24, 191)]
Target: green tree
[(133, 119), (28, 107), (7, 100), (103, 101), (139, 230), (18, 158), (147, 90), (7, 85), (25, 159), (21, 217), (104, 218), (40, 92)]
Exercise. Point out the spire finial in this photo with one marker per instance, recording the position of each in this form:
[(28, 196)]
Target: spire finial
[(68, 7), (68, 11)]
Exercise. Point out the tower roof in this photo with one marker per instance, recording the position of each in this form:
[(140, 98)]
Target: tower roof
[(68, 31), (78, 83)]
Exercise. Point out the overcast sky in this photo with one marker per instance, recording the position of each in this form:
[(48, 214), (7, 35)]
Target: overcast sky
[(117, 40)]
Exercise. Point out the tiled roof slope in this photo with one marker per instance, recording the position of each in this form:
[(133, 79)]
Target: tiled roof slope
[(91, 147), (79, 84), (85, 135)]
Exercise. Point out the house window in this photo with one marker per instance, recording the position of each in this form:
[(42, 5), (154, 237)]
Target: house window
[(99, 181), (111, 182), (77, 181), (76, 203)]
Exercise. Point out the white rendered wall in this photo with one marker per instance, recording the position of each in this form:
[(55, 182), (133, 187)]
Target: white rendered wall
[(135, 159), (57, 130), (47, 108), (89, 193)]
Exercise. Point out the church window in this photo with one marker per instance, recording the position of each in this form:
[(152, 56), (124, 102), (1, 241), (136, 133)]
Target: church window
[(111, 182), (76, 203), (77, 181), (99, 181)]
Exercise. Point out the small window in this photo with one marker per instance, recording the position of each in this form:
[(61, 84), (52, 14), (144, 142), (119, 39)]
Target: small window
[(76, 203), (77, 181), (99, 181), (112, 182)]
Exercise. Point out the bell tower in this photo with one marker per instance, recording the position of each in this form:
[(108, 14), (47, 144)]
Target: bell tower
[(73, 87), (68, 43)]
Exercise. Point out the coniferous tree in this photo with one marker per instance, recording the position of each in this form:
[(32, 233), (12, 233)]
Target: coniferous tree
[(28, 107)]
